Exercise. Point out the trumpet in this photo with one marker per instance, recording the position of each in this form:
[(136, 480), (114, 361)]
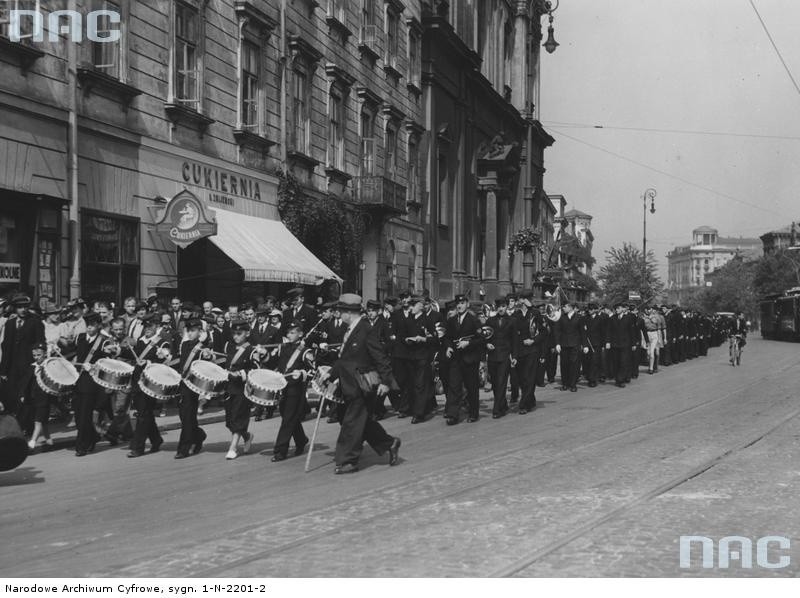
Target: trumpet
[(484, 332)]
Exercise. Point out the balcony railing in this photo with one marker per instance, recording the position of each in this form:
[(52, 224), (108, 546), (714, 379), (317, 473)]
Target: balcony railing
[(380, 192)]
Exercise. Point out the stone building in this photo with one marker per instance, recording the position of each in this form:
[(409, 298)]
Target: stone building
[(688, 265), (779, 239), (415, 116)]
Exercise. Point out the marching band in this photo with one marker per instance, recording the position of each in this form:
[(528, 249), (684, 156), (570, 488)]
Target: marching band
[(352, 356)]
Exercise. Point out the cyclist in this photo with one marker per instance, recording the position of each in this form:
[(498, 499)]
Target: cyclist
[(737, 332)]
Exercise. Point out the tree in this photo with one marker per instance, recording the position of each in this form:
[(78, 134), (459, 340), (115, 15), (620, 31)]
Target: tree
[(776, 272), (732, 289), (623, 272)]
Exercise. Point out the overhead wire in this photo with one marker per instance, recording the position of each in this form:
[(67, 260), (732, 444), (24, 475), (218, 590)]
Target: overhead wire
[(775, 47)]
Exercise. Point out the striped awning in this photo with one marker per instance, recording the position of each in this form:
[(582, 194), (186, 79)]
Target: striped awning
[(267, 251)]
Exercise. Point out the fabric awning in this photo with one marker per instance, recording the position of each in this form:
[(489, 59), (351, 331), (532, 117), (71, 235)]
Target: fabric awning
[(267, 251)]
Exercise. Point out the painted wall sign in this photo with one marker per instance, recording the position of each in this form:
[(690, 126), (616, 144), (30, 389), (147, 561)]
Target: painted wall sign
[(184, 221), (222, 184), (9, 272)]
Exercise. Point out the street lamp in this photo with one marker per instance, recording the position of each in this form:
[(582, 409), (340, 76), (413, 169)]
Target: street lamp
[(549, 7), (651, 195)]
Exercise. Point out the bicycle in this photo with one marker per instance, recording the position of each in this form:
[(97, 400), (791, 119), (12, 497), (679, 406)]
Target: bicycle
[(735, 349)]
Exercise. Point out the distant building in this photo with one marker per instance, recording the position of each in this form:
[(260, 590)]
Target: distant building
[(779, 239), (579, 226), (690, 264)]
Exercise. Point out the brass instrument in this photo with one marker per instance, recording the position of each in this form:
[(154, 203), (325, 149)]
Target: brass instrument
[(484, 332)]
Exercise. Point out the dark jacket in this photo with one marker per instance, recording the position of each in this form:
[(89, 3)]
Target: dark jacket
[(596, 331), (570, 331), (529, 326), (361, 353), (619, 332), (18, 343), (414, 326), (467, 328), (503, 338), (307, 316)]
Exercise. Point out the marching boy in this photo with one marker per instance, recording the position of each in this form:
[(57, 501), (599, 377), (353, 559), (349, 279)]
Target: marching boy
[(288, 359), (36, 399)]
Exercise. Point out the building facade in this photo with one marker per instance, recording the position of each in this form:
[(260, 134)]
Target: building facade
[(579, 225), (414, 116), (688, 265), (779, 239)]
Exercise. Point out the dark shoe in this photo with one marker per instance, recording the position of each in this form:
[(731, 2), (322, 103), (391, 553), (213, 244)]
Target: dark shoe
[(278, 457), (563, 388), (198, 447), (402, 415), (181, 455), (472, 420), (81, 453), (573, 389), (332, 420), (300, 449), (134, 454), (451, 421), (156, 447), (592, 384), (393, 451), (112, 440), (417, 420), (620, 385), (523, 411), (346, 468)]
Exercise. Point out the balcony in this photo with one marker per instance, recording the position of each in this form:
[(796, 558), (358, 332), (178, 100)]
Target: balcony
[(367, 41), (379, 192)]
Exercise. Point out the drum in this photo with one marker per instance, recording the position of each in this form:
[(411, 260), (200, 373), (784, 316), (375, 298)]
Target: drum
[(56, 376), (206, 378), (112, 374), (327, 389), (263, 386), (13, 446), (160, 382)]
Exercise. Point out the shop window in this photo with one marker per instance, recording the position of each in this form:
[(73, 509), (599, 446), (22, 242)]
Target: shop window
[(110, 252), (29, 250)]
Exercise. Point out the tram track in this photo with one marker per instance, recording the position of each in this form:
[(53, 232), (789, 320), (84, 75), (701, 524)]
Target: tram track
[(512, 471)]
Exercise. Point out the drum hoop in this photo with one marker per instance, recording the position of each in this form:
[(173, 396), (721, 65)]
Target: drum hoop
[(152, 394), (198, 391), (48, 390)]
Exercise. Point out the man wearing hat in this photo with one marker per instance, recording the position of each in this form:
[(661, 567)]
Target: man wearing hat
[(362, 362), (262, 334), (619, 341), (499, 356), (383, 329), (570, 335), (416, 334), (22, 331), (298, 311), (595, 340), (527, 350), (464, 346), (190, 350), (240, 360)]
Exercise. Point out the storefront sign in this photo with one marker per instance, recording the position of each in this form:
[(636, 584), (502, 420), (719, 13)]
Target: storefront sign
[(185, 221), (9, 273), (224, 187)]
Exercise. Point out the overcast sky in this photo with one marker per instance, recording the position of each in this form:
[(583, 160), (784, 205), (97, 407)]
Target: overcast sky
[(702, 65)]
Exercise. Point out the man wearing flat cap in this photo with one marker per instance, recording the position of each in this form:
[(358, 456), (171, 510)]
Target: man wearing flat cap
[(363, 370), (464, 347), (527, 350), (22, 331), (416, 333), (499, 356)]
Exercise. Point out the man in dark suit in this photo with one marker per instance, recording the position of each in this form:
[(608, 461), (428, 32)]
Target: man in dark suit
[(23, 331), (464, 346), (570, 335), (619, 342), (361, 352), (528, 349), (383, 329), (88, 394), (261, 332), (499, 357), (416, 334), (595, 340), (298, 311)]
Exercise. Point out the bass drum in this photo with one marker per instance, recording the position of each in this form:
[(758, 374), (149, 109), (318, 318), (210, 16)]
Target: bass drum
[(13, 447)]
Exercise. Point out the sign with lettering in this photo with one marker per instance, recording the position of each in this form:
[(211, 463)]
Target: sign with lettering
[(9, 272), (184, 221), (223, 187)]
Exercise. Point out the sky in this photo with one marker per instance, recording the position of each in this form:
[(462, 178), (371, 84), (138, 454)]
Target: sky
[(702, 66)]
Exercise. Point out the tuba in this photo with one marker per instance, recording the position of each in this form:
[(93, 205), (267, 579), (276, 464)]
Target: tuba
[(552, 312)]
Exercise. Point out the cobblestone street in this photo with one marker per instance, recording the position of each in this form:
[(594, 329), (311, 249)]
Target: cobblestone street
[(602, 482)]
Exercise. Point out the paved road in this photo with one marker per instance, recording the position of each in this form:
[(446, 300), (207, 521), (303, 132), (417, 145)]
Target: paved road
[(599, 482)]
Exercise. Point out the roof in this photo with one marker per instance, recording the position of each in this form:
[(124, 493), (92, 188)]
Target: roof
[(577, 214), (704, 229)]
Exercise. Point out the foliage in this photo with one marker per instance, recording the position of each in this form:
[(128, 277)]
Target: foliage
[(574, 252), (325, 226), (585, 281), (776, 272), (623, 272), (732, 289), (525, 239)]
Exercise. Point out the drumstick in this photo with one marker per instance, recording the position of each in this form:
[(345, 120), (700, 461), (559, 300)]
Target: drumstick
[(314, 435)]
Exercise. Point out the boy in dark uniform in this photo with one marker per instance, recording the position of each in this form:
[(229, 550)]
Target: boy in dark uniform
[(191, 349), (289, 360), (37, 400), (87, 392), (149, 348), (237, 407)]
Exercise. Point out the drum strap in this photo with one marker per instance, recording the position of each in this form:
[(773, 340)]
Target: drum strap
[(292, 359), (150, 346), (92, 351), (238, 354), (191, 357)]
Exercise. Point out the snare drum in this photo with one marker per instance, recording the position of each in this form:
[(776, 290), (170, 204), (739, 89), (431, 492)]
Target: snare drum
[(56, 376), (206, 378), (327, 389), (263, 386), (160, 382), (112, 374)]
